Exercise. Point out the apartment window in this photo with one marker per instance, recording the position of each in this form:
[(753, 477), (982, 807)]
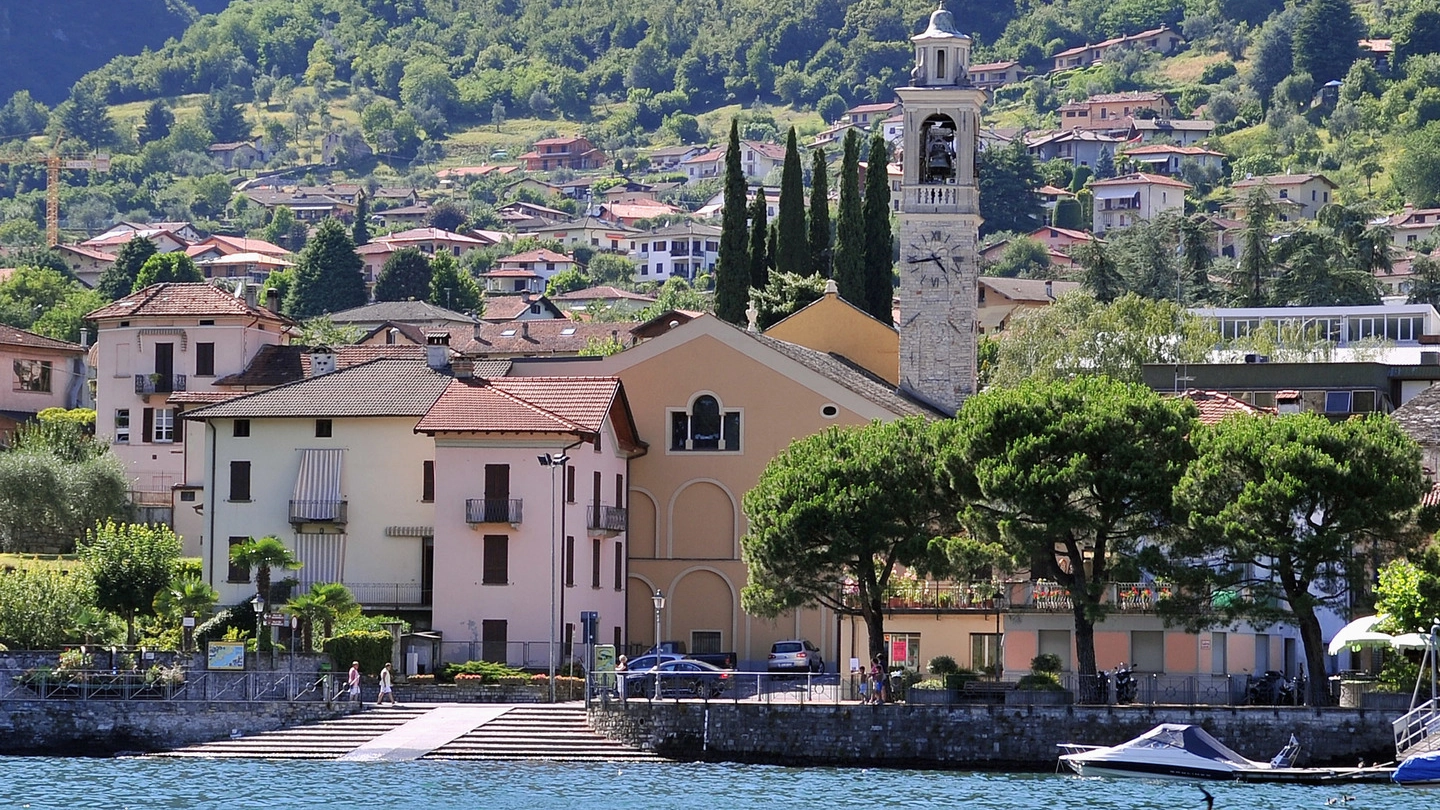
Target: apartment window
[(495, 560), (324, 428), (494, 639), (569, 561), (239, 480), (985, 652), (236, 573), (904, 649), (1337, 402), (706, 641), (32, 375), (122, 426), (706, 426), (241, 429), (619, 565), (204, 359), (594, 562), (164, 426), (427, 481)]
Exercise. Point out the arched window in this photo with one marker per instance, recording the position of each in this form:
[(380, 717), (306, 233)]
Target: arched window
[(706, 426)]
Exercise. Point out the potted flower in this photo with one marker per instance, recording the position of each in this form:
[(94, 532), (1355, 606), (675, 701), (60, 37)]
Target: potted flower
[(1042, 686)]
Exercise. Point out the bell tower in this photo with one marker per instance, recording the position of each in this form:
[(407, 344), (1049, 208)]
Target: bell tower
[(939, 218)]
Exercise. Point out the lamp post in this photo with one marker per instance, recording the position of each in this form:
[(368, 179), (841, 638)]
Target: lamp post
[(554, 461), (259, 605), (659, 600)]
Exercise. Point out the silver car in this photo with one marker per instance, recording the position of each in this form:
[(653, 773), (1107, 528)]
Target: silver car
[(795, 655)]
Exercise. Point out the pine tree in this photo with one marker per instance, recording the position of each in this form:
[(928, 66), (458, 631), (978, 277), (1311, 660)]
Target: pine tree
[(224, 118), (759, 253), (732, 267), (156, 123), (360, 231), (405, 277), (452, 288), (1100, 275), (1105, 164), (119, 278), (792, 243), (1326, 39), (329, 275), (819, 216), (879, 242), (850, 228)]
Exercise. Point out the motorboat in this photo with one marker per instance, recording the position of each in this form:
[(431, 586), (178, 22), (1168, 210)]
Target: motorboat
[(1420, 770), (1170, 751)]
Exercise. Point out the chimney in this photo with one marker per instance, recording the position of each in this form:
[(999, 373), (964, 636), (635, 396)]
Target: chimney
[(463, 367), (525, 330), (272, 300), (437, 349), (322, 361)]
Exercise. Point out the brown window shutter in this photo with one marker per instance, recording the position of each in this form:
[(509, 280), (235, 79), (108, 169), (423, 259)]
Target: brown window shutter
[(147, 427), (179, 423)]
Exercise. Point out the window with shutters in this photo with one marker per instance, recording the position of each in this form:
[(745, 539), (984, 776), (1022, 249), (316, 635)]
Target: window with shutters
[(594, 562), (495, 560), (204, 359), (239, 480), (427, 481), (619, 566), (164, 426), (122, 426), (569, 484), (569, 561)]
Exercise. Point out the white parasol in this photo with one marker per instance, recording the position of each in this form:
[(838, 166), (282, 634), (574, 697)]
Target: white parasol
[(1361, 633), (1411, 641)]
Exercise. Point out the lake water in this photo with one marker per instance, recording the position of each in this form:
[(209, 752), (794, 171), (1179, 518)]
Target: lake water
[(52, 783)]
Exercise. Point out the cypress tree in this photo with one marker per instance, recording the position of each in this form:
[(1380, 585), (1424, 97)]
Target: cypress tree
[(819, 216), (360, 231), (793, 244), (329, 275), (405, 277), (759, 263), (732, 266), (879, 243), (850, 228)]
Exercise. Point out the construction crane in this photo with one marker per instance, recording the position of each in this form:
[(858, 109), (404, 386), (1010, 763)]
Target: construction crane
[(54, 162)]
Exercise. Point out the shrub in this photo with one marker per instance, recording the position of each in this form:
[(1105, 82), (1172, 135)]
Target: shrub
[(943, 665), (1045, 662), (1040, 682), (486, 671), (370, 648), (238, 620)]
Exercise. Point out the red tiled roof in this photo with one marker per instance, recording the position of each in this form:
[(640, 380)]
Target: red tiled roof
[(532, 338), (175, 299), (511, 273), (11, 336), (1168, 148), (241, 244), (89, 253), (1133, 95), (1281, 180), (1215, 405), (1141, 177), (201, 397), (540, 255), (421, 234), (522, 405), (1080, 236)]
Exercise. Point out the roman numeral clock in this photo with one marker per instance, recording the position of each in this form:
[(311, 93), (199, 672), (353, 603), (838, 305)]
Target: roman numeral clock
[(939, 218)]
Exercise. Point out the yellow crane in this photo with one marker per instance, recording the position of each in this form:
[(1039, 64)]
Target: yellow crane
[(54, 162)]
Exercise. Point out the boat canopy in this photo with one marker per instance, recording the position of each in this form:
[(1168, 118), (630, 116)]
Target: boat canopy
[(1419, 769), (1190, 739)]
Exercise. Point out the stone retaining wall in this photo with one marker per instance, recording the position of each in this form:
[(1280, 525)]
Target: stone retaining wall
[(973, 737), (103, 728)]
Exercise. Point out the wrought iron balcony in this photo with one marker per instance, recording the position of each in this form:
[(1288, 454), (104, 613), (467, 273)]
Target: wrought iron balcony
[(607, 519), (318, 511), (493, 510), (159, 383)]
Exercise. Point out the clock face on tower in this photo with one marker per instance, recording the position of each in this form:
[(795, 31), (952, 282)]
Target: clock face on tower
[(929, 258)]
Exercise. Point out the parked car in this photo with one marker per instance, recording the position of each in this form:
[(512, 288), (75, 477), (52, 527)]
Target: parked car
[(690, 678), (795, 655), (634, 685)]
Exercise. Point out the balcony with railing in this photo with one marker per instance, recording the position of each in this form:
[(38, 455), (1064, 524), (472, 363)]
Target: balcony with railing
[(606, 519), (324, 511), (493, 510), (922, 595), (372, 594), (159, 383), (1127, 597)]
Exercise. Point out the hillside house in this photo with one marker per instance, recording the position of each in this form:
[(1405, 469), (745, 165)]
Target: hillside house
[(1124, 201), (1166, 159), (1112, 111), (588, 232), (1182, 132), (44, 373), (999, 299), (1078, 146), (575, 152), (993, 75), (684, 249), (1412, 226), (1298, 196), (240, 154), (1162, 40)]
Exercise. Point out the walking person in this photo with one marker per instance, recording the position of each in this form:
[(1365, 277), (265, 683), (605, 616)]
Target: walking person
[(387, 689), (353, 679), (620, 668), (877, 682)]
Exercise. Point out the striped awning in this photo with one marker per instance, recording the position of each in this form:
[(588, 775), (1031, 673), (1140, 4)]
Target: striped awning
[(317, 487), (322, 557)]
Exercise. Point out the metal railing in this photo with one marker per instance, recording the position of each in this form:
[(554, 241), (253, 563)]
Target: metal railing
[(326, 511), (371, 594), (946, 596), (1418, 731), (190, 685), (607, 518), (159, 383), (494, 510)]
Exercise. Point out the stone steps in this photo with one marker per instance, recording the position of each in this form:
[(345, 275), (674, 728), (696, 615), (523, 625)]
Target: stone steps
[(524, 732)]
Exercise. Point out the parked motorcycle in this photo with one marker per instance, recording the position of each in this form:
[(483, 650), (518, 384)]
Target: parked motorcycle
[(1126, 687), (1272, 689)]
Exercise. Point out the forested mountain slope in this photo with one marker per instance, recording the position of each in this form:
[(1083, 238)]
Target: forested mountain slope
[(45, 45)]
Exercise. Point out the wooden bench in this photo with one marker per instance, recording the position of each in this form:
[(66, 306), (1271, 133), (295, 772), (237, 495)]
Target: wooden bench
[(986, 691)]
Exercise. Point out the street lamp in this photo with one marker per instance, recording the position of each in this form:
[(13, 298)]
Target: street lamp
[(554, 461), (659, 600), (259, 605)]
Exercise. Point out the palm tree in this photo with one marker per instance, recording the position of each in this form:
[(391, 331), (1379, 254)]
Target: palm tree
[(338, 600), (310, 609), (186, 597), (263, 555)]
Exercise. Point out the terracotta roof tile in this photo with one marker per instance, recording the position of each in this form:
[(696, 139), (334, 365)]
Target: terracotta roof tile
[(173, 299), (550, 336), (383, 387), (523, 405), (1215, 405), (11, 336)]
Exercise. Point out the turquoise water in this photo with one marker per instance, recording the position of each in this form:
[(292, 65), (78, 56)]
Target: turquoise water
[(46, 783)]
